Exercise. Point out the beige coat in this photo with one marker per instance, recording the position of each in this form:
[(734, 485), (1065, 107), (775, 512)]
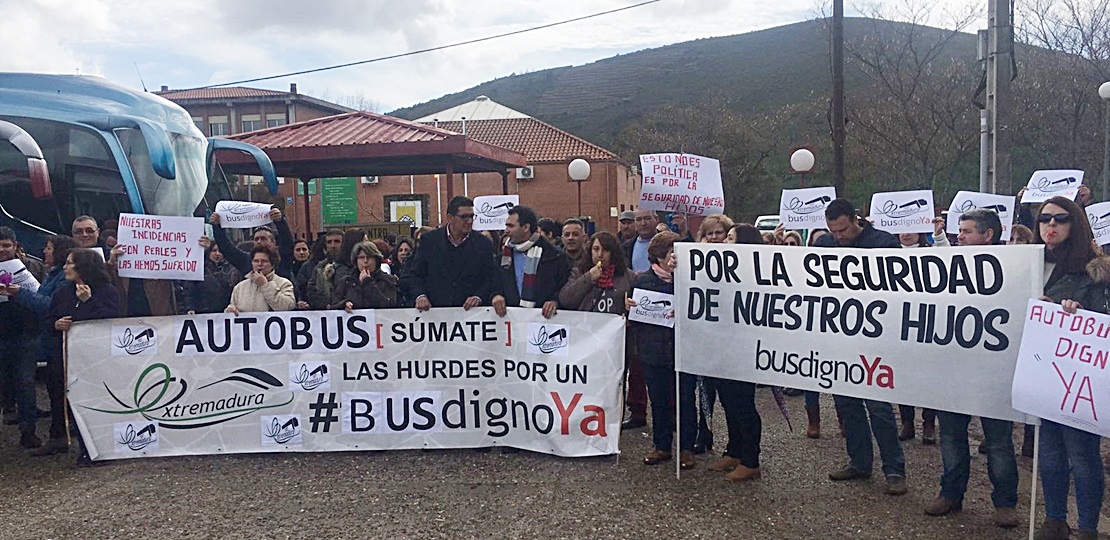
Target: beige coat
[(275, 295)]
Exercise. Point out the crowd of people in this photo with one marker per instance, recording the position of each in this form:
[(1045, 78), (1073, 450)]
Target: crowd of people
[(541, 264)]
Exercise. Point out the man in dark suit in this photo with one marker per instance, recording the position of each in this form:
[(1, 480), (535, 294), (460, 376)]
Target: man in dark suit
[(453, 266)]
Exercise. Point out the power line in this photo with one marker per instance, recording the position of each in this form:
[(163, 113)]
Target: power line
[(439, 48)]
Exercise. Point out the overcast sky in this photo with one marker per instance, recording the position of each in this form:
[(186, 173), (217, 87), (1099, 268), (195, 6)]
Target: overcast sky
[(184, 44)]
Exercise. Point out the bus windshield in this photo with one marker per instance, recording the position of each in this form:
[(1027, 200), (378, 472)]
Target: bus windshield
[(177, 197)]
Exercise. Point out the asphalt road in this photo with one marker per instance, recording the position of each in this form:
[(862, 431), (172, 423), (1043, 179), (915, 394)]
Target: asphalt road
[(462, 494)]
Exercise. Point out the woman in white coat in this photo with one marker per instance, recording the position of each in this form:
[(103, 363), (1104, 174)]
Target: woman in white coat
[(263, 289)]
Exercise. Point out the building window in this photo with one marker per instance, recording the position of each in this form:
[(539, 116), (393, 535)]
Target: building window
[(251, 122), (199, 122), (217, 126), (275, 120)]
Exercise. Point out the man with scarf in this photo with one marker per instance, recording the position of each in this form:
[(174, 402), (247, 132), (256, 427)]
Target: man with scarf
[(533, 271)]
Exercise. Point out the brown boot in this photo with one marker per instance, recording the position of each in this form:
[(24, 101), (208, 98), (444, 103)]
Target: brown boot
[(929, 434), (743, 474), (726, 463), (813, 429), (686, 460), (907, 432)]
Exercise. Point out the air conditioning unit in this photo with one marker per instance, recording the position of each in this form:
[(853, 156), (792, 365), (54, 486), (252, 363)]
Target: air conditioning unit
[(369, 180), (525, 173)]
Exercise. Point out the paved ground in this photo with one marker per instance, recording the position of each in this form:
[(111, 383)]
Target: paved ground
[(462, 494)]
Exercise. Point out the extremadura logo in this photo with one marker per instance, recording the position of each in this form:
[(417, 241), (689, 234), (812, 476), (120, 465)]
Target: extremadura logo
[(162, 398)]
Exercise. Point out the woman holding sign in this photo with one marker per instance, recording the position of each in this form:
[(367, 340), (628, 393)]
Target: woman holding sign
[(601, 283), (656, 346), (1076, 277), (90, 297), (263, 289)]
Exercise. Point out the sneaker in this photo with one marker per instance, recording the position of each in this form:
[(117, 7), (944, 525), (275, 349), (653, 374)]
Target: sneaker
[(848, 473), (941, 507), (896, 485), (28, 439), (744, 474), (726, 463), (1053, 529), (52, 446), (1007, 518)]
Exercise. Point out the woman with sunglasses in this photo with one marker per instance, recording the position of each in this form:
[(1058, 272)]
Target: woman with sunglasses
[(1076, 276), (713, 230)]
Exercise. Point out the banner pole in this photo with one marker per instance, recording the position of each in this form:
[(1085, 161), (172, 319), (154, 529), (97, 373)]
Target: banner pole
[(65, 386), (1033, 487), (677, 423)]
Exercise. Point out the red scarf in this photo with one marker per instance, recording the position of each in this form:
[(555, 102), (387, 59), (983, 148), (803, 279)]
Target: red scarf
[(605, 280)]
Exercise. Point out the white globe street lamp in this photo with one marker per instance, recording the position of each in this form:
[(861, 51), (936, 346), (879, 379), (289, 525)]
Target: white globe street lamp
[(579, 171), (801, 161)]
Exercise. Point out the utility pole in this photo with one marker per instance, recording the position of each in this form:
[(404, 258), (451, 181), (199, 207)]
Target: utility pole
[(838, 133), (1000, 58)]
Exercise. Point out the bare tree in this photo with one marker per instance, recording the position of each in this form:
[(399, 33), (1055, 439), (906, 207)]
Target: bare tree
[(913, 118)]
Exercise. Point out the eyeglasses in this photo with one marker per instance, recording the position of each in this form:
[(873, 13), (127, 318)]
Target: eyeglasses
[(644, 219), (89, 230), (1060, 218), (465, 217), (790, 243)]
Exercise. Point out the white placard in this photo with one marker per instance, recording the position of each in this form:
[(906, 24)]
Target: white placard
[(804, 209), (18, 274), (900, 212), (368, 380), (681, 183), (1099, 216), (491, 211), (243, 215), (652, 308), (936, 328), (161, 247), (1061, 369), (969, 200), (1044, 185)]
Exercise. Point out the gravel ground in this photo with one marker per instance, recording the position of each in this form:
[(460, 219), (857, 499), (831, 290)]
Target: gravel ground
[(462, 494)]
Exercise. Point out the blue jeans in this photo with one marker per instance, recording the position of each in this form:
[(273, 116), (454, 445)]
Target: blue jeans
[(660, 386), (813, 399), (857, 435), (1001, 463), (17, 377), (1068, 452)]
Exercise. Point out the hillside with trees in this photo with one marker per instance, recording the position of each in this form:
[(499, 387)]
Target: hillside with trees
[(913, 99)]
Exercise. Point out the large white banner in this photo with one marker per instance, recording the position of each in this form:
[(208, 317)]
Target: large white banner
[(681, 183), (328, 381), (243, 215), (899, 212), (804, 209), (965, 201), (491, 211), (161, 247), (1061, 369), (936, 328)]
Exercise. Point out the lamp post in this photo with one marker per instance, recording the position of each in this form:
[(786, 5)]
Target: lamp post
[(801, 161), (579, 171), (1104, 93)]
